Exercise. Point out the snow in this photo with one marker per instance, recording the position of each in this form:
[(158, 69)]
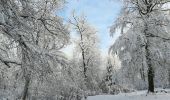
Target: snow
[(139, 95)]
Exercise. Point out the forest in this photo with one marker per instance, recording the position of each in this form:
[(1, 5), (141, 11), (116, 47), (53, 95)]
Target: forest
[(35, 66)]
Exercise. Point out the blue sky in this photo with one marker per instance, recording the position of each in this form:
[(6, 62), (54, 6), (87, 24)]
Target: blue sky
[(100, 13)]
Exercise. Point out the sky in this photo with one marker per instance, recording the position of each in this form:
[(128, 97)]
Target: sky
[(100, 13)]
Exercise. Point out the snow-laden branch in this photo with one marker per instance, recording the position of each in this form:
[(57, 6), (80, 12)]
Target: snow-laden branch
[(8, 61)]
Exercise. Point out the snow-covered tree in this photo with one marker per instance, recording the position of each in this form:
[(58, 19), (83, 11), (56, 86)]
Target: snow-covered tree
[(87, 52), (146, 23), (109, 74), (37, 35)]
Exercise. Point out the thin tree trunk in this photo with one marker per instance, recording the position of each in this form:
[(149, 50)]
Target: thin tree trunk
[(84, 69), (25, 92), (169, 77), (26, 62), (83, 58), (84, 64)]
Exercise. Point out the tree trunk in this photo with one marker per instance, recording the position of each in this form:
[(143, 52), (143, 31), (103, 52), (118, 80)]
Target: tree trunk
[(84, 65), (148, 61), (26, 63), (150, 79), (84, 69), (169, 77), (25, 92), (150, 71)]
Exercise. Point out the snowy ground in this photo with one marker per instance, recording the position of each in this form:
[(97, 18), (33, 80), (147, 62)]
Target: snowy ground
[(140, 95)]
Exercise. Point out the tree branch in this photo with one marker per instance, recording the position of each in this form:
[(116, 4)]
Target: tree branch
[(7, 62)]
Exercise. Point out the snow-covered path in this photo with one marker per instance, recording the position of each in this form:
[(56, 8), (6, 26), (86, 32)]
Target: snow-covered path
[(132, 96)]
